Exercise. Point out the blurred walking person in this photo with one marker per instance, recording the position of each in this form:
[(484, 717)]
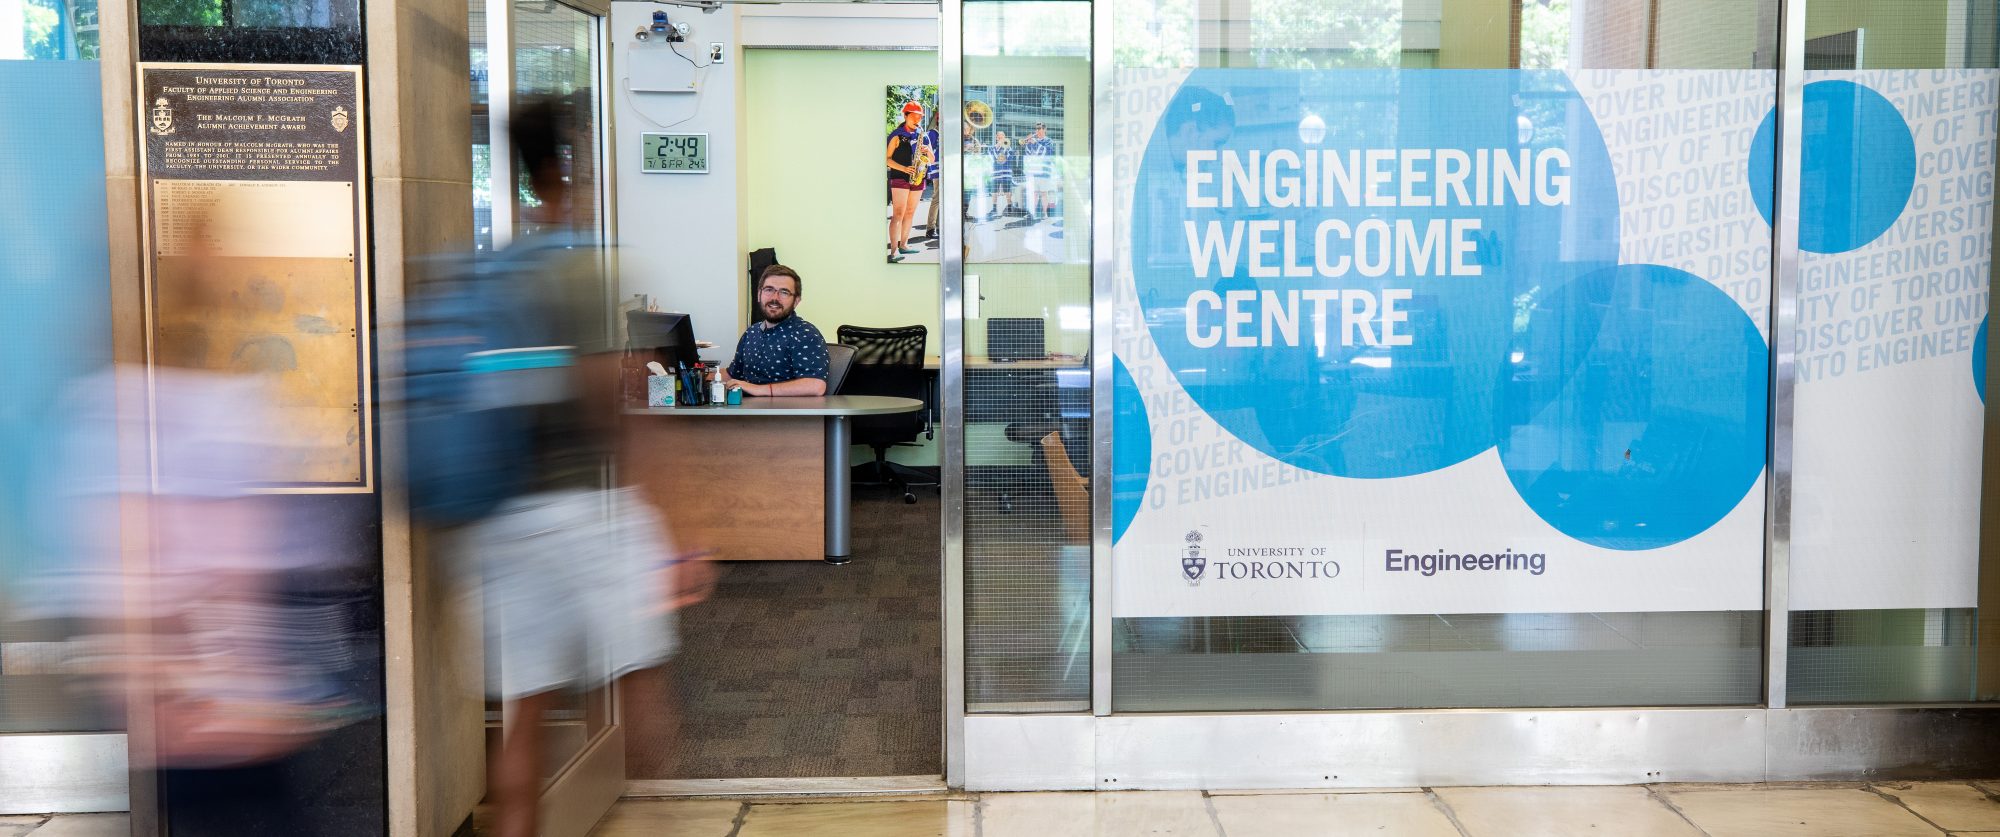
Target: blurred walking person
[(978, 170), (511, 407), (1004, 160), (1038, 157), (932, 189), (201, 596)]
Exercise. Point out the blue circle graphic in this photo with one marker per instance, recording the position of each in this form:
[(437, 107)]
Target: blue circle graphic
[(1857, 166), (1131, 449), (1634, 417), (1385, 400), (1979, 359)]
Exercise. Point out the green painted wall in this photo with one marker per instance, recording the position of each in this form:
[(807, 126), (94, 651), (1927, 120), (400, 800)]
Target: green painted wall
[(814, 182), (813, 190), (1473, 35), (1710, 34)]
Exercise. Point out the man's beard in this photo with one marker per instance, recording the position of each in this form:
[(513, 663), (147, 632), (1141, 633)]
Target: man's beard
[(778, 317)]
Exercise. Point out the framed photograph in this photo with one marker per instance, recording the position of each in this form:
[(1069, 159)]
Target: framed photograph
[(910, 168), (1014, 184)]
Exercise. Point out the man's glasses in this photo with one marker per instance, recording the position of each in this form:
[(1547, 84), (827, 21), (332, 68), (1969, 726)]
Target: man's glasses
[(781, 293)]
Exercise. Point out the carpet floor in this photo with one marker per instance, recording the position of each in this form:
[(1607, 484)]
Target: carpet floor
[(802, 669)]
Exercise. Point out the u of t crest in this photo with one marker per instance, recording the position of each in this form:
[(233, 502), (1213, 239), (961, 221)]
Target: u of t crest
[(1193, 562)]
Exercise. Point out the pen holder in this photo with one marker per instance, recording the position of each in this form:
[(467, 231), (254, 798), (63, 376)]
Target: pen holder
[(659, 390), (736, 395)]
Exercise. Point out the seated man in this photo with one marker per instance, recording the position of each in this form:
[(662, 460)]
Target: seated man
[(781, 353)]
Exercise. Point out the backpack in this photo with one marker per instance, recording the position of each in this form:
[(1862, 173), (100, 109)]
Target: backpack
[(467, 455)]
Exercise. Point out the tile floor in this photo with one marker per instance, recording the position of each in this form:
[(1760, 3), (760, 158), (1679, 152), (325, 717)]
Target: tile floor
[(1930, 809), (1917, 809)]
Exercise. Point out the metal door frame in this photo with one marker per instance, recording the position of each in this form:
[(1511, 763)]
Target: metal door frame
[(951, 378)]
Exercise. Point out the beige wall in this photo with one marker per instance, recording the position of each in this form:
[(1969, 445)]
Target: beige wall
[(118, 38), (419, 99)]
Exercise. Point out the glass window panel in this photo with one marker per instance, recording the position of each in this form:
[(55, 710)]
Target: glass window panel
[(1898, 123), (55, 329), (258, 31), (1027, 175), (482, 129), (48, 30), (1293, 73), (555, 55)]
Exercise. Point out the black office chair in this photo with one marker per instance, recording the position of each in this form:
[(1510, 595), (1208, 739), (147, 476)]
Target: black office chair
[(759, 259), (888, 361), (838, 360)]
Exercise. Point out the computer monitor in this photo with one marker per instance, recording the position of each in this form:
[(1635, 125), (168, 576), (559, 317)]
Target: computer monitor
[(1015, 338), (672, 335)]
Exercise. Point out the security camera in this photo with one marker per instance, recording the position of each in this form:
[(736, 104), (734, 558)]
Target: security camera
[(664, 28)]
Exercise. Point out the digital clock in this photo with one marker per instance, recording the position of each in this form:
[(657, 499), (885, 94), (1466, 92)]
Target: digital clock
[(674, 153)]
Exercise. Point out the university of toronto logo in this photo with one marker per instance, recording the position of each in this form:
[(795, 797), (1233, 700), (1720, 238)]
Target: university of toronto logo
[(163, 118), (1192, 562), (339, 119)]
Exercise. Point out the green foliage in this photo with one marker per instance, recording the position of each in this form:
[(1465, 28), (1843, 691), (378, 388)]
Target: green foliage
[(180, 13), (1160, 35), (1545, 34), (1296, 35), (1283, 34), (42, 30), (83, 23), (897, 94), (1025, 29)]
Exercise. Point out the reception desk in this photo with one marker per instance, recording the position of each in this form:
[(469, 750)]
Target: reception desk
[(766, 480)]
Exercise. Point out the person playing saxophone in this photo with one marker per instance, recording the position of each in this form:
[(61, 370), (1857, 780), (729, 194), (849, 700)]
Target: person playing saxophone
[(906, 176)]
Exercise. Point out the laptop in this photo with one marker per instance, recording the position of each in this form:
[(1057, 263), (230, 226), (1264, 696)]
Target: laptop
[(1015, 338)]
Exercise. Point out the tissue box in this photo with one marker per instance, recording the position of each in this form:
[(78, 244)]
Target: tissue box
[(659, 390)]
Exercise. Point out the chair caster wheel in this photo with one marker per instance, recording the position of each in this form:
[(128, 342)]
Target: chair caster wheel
[(909, 499)]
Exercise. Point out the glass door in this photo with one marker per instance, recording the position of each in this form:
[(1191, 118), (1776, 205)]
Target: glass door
[(554, 54), (1024, 372)]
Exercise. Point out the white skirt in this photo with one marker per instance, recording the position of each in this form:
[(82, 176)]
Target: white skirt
[(575, 589)]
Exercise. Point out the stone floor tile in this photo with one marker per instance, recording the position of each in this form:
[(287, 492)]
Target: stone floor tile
[(1155, 813), (669, 818), (1038, 815), (1953, 806), (949, 796), (1563, 812), (1311, 791), (930, 818), (1332, 815), (18, 826), (86, 825), (1753, 811)]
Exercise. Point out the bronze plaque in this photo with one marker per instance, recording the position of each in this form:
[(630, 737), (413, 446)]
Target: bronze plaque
[(255, 189)]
